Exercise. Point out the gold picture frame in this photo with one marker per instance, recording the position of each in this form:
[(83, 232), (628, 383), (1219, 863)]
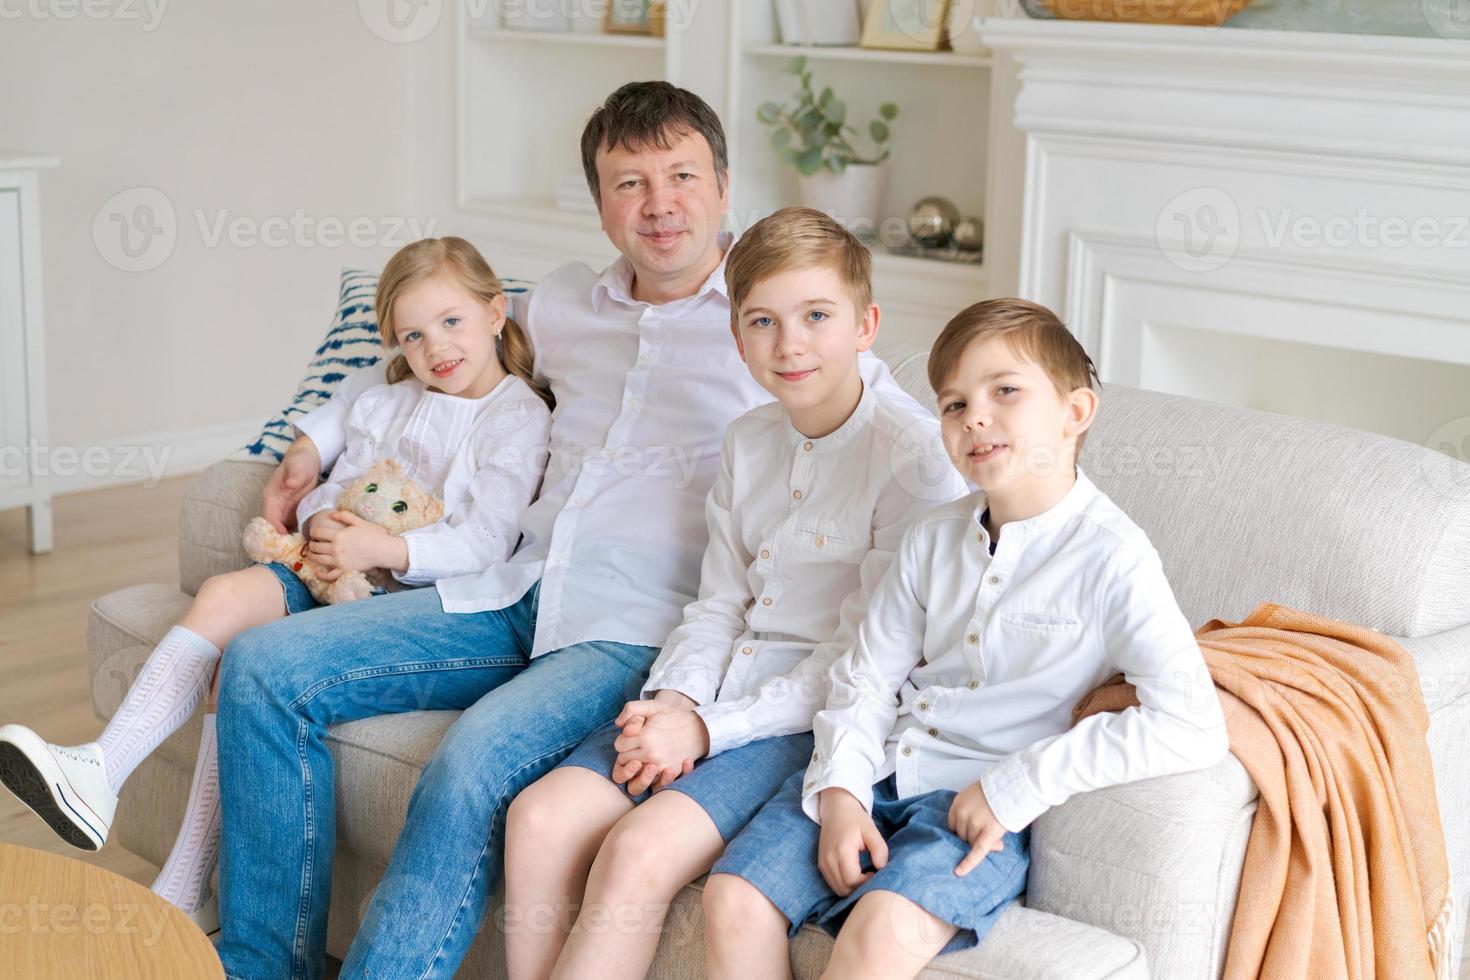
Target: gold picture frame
[(905, 25)]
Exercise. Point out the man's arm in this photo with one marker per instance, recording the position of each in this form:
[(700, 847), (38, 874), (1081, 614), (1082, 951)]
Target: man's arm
[(321, 436), (294, 477)]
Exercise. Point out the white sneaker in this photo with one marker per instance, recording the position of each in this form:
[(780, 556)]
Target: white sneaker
[(66, 785), (206, 917)]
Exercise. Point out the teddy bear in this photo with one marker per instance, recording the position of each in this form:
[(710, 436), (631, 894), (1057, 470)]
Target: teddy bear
[(383, 495)]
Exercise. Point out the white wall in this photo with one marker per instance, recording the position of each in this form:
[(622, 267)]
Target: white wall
[(249, 111)]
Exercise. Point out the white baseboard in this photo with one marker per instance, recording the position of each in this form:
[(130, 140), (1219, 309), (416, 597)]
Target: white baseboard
[(145, 458)]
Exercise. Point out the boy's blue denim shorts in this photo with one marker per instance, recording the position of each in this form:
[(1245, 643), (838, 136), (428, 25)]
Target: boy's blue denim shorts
[(730, 787), (298, 597), (777, 853)]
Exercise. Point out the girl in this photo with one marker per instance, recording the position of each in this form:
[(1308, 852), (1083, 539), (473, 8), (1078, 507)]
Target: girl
[(460, 415)]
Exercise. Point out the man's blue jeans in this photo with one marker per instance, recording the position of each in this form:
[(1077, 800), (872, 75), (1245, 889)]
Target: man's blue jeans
[(285, 682)]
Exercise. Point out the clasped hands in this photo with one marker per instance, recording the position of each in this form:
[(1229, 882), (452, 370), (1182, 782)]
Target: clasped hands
[(339, 541), (661, 740)]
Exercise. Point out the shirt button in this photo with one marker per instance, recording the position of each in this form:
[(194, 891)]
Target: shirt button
[(980, 537), (796, 494), (923, 705), (994, 580), (821, 541), (766, 601), (933, 733), (908, 750), (747, 651), (765, 553), (807, 447), (974, 684), (972, 638)]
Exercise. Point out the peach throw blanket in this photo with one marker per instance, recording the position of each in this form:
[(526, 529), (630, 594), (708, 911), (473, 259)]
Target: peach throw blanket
[(1345, 871)]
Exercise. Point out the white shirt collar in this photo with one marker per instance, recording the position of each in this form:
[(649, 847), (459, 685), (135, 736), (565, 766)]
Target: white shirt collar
[(616, 282), (1082, 491), (840, 436)]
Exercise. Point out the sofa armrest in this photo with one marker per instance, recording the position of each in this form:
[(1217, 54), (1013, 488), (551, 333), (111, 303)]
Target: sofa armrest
[(1157, 861), (1443, 662), (217, 506)]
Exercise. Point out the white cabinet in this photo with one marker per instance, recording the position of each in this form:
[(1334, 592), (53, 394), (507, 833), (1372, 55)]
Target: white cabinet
[(23, 438)]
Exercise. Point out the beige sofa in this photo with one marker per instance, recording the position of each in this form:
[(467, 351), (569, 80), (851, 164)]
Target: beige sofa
[(1243, 506)]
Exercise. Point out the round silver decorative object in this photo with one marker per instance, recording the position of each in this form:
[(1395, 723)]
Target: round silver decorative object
[(932, 221), (969, 234)]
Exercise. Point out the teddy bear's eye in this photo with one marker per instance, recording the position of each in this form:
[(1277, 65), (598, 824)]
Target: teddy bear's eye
[(399, 507), (371, 488)]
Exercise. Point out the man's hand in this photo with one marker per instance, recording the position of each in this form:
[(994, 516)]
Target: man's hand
[(847, 831), (293, 478), (347, 543), (664, 745), (971, 819)]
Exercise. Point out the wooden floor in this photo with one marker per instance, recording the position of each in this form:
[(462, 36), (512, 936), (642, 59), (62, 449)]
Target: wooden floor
[(105, 539)]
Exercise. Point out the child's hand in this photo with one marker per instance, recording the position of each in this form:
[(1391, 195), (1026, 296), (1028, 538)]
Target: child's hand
[(847, 831), (350, 544), (665, 745), (971, 819), (634, 722)]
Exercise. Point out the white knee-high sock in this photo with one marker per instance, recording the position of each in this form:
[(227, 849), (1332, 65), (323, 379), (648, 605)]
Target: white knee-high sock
[(185, 875), (170, 686)]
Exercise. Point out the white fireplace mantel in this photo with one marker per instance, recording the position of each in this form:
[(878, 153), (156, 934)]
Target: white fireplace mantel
[(1185, 185)]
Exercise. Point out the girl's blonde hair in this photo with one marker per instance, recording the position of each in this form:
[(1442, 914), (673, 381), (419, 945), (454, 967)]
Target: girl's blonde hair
[(430, 257)]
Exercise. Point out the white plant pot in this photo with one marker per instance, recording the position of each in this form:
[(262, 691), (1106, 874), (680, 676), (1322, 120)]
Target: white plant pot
[(852, 198)]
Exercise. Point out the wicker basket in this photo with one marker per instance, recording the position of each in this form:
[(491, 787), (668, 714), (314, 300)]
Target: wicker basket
[(1196, 13)]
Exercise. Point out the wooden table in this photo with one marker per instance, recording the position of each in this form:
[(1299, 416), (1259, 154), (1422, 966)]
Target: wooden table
[(62, 918)]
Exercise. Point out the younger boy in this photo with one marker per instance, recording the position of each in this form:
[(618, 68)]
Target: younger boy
[(947, 727), (813, 494)]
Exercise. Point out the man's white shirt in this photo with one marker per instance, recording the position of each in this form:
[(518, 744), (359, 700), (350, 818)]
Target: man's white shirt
[(644, 393), (801, 531), (968, 665)]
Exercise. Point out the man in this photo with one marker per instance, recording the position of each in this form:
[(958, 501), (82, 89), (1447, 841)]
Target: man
[(540, 651)]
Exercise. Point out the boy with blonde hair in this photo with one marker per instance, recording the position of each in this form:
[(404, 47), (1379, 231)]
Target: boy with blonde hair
[(947, 726), (813, 494)]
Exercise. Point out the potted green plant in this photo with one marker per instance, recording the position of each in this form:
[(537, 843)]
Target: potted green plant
[(813, 133)]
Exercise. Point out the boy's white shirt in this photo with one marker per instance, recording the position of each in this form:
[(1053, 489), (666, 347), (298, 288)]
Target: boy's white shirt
[(644, 394), (968, 666), (483, 457), (801, 531)]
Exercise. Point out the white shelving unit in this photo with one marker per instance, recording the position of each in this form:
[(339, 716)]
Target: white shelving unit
[(22, 344), (524, 97), (922, 59)]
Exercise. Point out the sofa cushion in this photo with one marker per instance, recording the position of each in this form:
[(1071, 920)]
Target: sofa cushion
[(217, 506), (352, 342)]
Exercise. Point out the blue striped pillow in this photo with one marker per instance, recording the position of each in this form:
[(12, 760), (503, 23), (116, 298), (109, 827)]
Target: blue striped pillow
[(353, 342)]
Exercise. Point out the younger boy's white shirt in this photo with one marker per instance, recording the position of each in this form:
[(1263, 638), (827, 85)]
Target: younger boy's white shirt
[(801, 531), (483, 457), (968, 666)]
